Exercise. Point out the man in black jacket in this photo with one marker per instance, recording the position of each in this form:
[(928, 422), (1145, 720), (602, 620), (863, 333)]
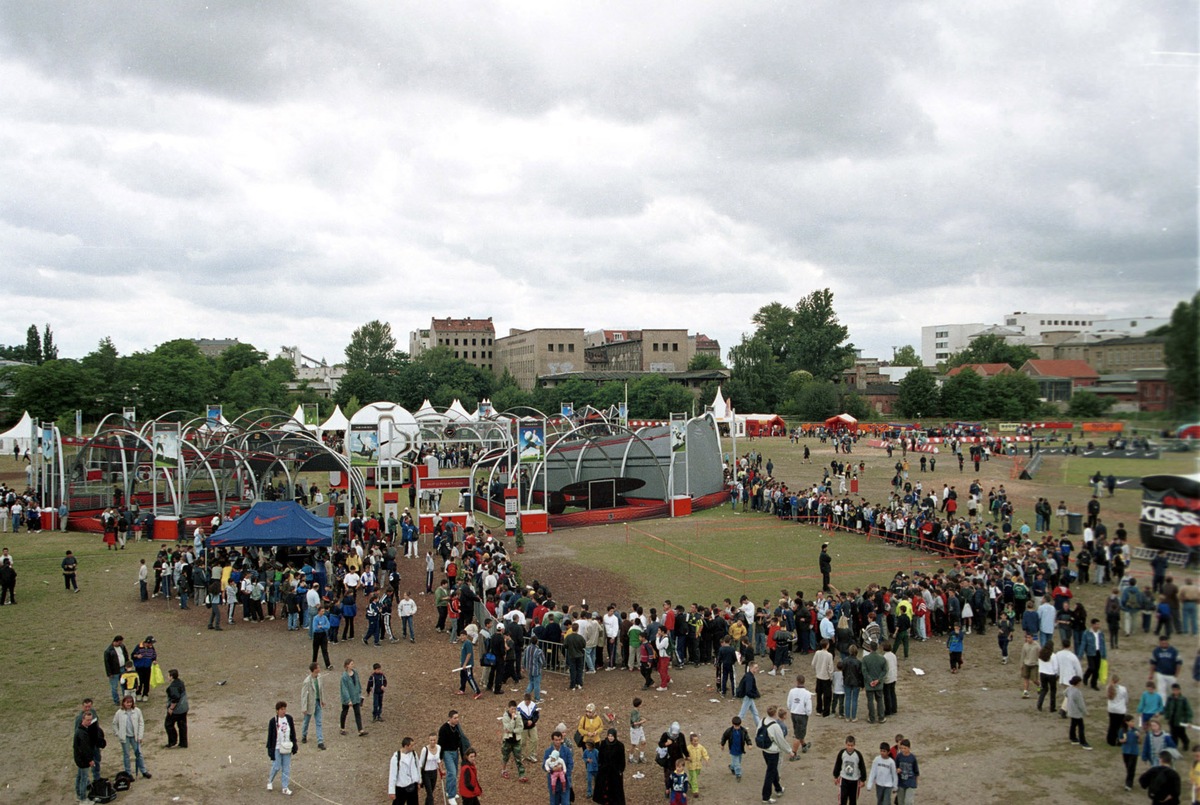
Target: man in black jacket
[(826, 562), (88, 738), (114, 665)]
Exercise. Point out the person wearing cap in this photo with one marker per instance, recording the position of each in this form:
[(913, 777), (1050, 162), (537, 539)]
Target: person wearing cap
[(144, 658)]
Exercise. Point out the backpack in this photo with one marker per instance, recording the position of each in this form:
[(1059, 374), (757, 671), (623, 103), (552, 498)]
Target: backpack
[(122, 781), (762, 738), (101, 790)]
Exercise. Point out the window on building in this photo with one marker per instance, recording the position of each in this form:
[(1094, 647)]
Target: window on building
[(674, 347), (656, 346), (473, 353), (570, 347), (456, 353), (560, 347), (549, 347)]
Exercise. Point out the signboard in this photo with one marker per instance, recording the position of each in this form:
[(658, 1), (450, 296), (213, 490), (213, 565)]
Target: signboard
[(1006, 427), (1102, 427), (447, 482), (129, 414), (1170, 518), (567, 409), (678, 433), (511, 504), (531, 442), (363, 445), (312, 415), (48, 441), (166, 444), (213, 416)]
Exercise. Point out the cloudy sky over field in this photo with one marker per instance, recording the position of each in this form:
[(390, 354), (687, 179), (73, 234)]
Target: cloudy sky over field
[(281, 173)]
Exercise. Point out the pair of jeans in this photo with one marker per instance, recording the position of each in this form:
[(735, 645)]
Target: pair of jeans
[(81, 782), (450, 760), (281, 763), (735, 765), (315, 717), (130, 746), (534, 687), (293, 621), (406, 628), (771, 778), (852, 701), (114, 682), (749, 706), (589, 658)]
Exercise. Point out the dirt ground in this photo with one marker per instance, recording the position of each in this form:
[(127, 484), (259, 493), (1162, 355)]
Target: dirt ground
[(974, 736)]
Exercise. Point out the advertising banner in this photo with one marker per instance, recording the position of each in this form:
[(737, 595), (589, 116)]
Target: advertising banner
[(1170, 518), (312, 415), (213, 416), (531, 442), (47, 440), (678, 433), (363, 445), (165, 440), (567, 410)]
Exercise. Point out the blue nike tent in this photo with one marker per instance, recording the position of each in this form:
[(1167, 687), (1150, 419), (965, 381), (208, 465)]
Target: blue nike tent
[(272, 523)]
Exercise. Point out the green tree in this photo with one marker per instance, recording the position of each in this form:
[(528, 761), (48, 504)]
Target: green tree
[(53, 389), (1011, 396), (819, 339), (817, 400), (436, 375), (992, 349), (963, 396), (758, 376), (1088, 405), (919, 395), (360, 384), (33, 345), (49, 350), (105, 366), (175, 376), (703, 361), (237, 357), (372, 348), (906, 356), (508, 395), (1181, 353), (252, 387), (653, 396)]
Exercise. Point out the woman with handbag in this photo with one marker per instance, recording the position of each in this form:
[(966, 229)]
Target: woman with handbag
[(281, 745)]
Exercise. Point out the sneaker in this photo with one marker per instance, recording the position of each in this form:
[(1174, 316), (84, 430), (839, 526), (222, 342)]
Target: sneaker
[(772, 799), (660, 690), (771, 672), (1024, 694), (804, 749), (522, 779), (321, 746), (1076, 743), (304, 740), (270, 786), (1087, 746), (637, 775), (287, 792)]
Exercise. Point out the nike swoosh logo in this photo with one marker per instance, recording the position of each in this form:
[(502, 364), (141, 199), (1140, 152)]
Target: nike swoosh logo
[(312, 541), (264, 520)]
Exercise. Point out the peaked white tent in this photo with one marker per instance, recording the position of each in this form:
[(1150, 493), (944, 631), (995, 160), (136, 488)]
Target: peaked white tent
[(337, 421), (20, 434), (720, 408), (427, 411), (456, 412)]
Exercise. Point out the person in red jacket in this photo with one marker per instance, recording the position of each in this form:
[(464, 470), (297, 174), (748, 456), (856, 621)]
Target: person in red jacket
[(468, 780)]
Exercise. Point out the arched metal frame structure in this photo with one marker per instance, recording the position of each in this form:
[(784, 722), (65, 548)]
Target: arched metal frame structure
[(249, 451)]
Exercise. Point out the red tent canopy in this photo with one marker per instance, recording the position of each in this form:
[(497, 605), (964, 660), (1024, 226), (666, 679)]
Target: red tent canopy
[(842, 422)]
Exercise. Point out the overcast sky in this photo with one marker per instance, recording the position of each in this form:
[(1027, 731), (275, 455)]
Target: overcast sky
[(282, 172)]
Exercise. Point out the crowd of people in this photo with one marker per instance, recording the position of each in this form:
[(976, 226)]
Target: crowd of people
[(1002, 577)]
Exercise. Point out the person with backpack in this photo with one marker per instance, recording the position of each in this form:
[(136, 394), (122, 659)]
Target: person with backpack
[(747, 691), (771, 739), (404, 775)]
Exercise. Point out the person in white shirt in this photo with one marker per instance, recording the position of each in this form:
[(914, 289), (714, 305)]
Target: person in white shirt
[(429, 760), (406, 609), (612, 636), (800, 705), (404, 775), (350, 582), (1068, 667)]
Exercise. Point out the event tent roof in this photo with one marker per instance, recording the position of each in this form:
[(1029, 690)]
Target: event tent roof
[(271, 523), (20, 432), (337, 421)]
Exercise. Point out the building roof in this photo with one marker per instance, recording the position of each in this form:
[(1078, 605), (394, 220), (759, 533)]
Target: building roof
[(604, 375), (981, 369), (703, 341), (464, 325), (1132, 341), (1060, 368)]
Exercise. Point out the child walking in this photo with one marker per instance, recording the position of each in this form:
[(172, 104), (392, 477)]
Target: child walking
[(679, 783), (839, 691), (376, 685), (882, 778), (954, 644), (736, 739), (1131, 746), (697, 756), (591, 762), (637, 733), (1077, 711)]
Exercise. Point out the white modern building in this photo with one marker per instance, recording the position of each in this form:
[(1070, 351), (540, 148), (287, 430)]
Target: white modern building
[(940, 341)]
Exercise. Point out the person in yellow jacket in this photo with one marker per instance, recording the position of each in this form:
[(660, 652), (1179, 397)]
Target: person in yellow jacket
[(697, 756), (591, 725)]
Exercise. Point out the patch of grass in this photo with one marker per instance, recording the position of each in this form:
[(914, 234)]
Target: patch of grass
[(1077, 471)]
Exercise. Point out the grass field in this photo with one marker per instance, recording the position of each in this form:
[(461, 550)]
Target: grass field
[(1077, 471)]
